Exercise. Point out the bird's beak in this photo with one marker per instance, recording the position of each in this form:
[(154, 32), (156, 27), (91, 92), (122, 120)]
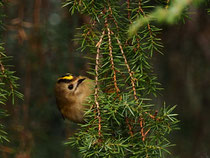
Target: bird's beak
[(80, 81)]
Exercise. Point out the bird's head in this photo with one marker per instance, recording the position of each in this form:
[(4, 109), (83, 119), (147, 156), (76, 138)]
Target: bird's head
[(69, 85)]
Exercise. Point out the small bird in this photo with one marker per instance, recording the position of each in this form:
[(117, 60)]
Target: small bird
[(71, 94)]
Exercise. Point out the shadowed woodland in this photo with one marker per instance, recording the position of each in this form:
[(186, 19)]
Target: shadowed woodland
[(40, 37)]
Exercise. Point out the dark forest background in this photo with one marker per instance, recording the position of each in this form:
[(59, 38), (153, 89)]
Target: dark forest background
[(40, 34)]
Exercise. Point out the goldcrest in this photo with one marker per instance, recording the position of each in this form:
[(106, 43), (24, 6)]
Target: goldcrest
[(71, 94)]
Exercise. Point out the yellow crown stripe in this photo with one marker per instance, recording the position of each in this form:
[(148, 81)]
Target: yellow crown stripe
[(70, 77)]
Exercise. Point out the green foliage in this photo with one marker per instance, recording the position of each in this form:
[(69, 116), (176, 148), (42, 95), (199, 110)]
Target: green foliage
[(123, 121), (8, 83), (167, 14)]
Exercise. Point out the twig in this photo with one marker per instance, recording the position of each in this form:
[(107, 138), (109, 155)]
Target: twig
[(111, 58), (98, 45), (140, 9), (117, 26), (148, 25), (128, 67), (142, 129), (128, 6), (129, 127), (153, 116)]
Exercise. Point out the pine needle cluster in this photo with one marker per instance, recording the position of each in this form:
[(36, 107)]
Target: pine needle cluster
[(171, 13), (122, 122), (8, 82)]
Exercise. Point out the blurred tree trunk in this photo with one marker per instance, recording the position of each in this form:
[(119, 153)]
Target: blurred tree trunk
[(185, 72)]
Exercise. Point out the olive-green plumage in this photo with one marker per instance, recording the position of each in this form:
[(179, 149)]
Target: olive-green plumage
[(71, 95)]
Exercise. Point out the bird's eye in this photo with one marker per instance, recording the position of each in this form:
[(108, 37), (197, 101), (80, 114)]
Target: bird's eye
[(70, 86)]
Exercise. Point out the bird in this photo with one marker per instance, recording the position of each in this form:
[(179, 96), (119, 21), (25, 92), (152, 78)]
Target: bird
[(71, 94)]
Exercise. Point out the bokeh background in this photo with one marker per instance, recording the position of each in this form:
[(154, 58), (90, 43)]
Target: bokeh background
[(39, 34)]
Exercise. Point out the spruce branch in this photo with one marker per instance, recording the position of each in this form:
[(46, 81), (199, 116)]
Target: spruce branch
[(121, 49), (89, 31), (8, 83), (128, 8), (148, 24), (129, 126), (129, 69), (143, 134), (168, 15), (140, 8), (111, 15), (111, 58), (98, 45), (6, 77)]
